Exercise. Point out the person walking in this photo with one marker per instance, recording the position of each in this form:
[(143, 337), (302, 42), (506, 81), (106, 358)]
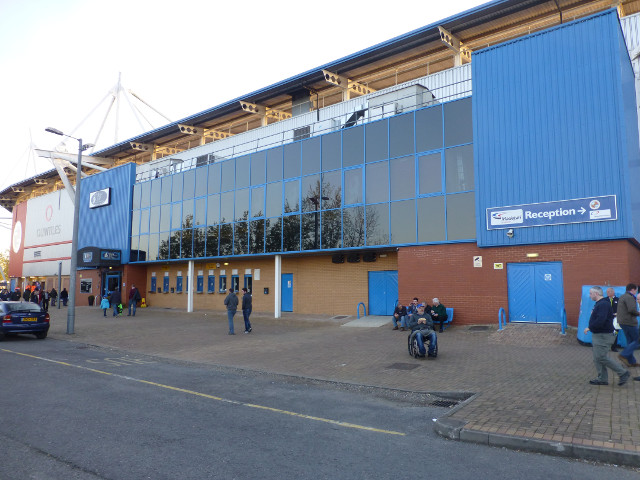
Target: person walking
[(601, 328), (134, 298), (246, 309), (115, 299), (231, 301), (628, 320), (105, 305), (54, 295), (64, 297)]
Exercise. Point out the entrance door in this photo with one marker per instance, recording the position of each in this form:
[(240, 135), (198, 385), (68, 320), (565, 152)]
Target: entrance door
[(112, 281), (383, 292), (536, 293), (286, 299)]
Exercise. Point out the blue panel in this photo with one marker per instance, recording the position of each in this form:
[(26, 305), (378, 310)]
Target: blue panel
[(548, 126), (211, 284), (287, 292), (165, 284), (549, 292), (153, 284), (522, 293), (392, 291), (179, 284), (200, 284), (383, 292)]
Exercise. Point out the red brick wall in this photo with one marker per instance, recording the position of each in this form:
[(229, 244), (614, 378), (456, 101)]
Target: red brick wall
[(476, 294)]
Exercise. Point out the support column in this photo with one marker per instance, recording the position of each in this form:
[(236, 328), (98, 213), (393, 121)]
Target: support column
[(277, 295), (190, 283)]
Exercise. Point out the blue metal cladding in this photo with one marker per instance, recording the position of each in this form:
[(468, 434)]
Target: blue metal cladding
[(550, 123), (108, 226)]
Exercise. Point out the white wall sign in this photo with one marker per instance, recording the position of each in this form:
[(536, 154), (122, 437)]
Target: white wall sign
[(100, 198), (477, 261)]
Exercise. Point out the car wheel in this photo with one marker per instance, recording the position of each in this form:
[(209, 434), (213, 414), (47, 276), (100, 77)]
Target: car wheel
[(41, 335)]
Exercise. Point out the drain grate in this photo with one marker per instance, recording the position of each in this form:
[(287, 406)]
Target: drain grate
[(443, 403), (339, 317), (479, 328), (403, 366)]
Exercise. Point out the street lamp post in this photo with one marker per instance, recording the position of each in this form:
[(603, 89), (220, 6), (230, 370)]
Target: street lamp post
[(73, 269)]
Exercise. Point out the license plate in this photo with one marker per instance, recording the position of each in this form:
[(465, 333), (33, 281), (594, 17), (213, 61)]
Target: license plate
[(30, 319)]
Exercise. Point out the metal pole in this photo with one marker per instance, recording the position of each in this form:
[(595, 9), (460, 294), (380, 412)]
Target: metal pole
[(71, 312), (59, 284)]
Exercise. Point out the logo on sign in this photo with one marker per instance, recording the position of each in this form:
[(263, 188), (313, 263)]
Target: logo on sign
[(547, 277), (594, 204), (99, 198), (597, 214), (87, 257), (507, 217)]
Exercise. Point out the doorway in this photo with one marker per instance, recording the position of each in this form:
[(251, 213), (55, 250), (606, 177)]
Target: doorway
[(383, 292), (536, 293)]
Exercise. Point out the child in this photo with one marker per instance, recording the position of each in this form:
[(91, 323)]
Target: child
[(104, 305)]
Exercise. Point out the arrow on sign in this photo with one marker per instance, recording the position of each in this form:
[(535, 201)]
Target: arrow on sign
[(582, 210)]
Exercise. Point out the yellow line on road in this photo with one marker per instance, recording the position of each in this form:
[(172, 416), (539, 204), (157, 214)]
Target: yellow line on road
[(213, 397)]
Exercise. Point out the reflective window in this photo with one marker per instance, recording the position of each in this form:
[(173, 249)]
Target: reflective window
[(377, 175), (274, 164), (137, 188), (461, 216), (403, 222), (163, 249), (187, 214), (199, 237), (401, 135), (143, 247), (176, 188), (243, 172), (189, 184), (257, 202), (332, 189), (458, 126), (353, 227), (187, 244), (353, 186), (352, 146), (156, 186), (144, 221), (429, 129), (214, 178), (242, 204), (213, 209), (226, 239), (403, 178), (310, 231), (135, 242), (430, 173), (165, 195), (240, 238), (174, 244), (176, 216), (226, 207), (331, 148), (256, 236), (459, 168), (274, 199), (258, 168), (273, 234), (152, 254), (135, 222), (292, 160), (165, 218), (227, 175), (311, 155), (310, 193), (200, 213), (292, 196), (330, 229), (377, 140), (212, 241), (145, 194), (201, 181), (291, 233), (377, 224), (154, 220), (431, 224)]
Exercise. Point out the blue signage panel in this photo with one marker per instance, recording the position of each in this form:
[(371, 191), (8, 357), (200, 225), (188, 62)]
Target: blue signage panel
[(110, 255), (580, 210)]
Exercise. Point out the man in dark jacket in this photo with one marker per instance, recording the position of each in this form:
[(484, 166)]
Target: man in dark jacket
[(601, 328), (421, 326), (439, 313), (399, 315), (115, 299), (611, 296), (134, 298), (64, 297), (231, 301), (246, 309), (628, 320)]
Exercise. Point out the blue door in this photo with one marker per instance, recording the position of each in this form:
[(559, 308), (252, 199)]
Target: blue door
[(383, 292), (153, 284), (286, 298), (536, 293)]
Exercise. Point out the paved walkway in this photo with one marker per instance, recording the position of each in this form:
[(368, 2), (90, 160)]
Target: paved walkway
[(524, 387)]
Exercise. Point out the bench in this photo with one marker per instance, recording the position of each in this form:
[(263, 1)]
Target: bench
[(449, 319)]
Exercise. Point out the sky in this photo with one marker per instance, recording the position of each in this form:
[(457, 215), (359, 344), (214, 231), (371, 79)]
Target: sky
[(60, 59)]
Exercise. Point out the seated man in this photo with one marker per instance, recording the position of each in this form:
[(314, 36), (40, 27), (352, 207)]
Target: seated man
[(439, 313), (413, 306), (399, 315), (421, 324)]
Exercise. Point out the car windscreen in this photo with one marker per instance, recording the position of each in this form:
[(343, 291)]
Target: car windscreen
[(21, 307)]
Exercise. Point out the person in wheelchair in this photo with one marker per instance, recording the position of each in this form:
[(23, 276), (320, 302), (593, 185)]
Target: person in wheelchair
[(421, 326)]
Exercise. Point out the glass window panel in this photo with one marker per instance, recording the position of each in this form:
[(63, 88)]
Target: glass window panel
[(429, 129), (156, 188), (165, 195), (431, 225), (401, 135), (240, 238), (163, 249), (137, 188), (258, 168), (226, 239), (353, 227), (461, 216), (377, 224), (187, 243), (152, 254), (310, 193), (243, 173), (144, 221), (403, 178), (458, 128), (459, 168), (143, 247), (377, 140), (430, 173), (403, 222), (274, 199), (176, 188), (256, 236), (145, 194), (310, 231), (226, 207), (199, 236), (212, 241), (377, 182), (242, 204), (154, 220), (352, 146), (292, 160), (135, 222), (257, 202), (227, 175), (176, 215), (200, 213), (213, 209), (311, 155), (331, 148), (332, 189), (201, 181), (274, 164), (165, 218), (292, 196), (353, 186), (214, 178), (331, 229), (187, 214), (273, 234), (135, 243), (189, 184), (174, 244), (291, 233)]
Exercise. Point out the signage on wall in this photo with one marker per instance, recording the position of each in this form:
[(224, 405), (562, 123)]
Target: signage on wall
[(580, 210), (111, 255), (477, 261), (498, 266), (100, 198)]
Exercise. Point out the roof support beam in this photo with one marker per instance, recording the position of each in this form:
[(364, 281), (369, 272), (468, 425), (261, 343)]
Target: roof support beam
[(203, 133), (348, 86), (265, 112), (87, 162), (63, 176), (455, 44)]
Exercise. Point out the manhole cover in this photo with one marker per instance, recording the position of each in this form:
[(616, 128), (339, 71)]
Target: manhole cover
[(479, 328), (443, 403), (338, 317), (403, 366)]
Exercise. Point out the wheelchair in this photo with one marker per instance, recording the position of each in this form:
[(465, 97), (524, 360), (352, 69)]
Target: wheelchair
[(412, 346)]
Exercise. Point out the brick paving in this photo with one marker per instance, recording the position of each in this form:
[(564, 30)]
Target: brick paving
[(529, 382)]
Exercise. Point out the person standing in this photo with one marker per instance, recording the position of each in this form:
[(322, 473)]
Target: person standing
[(231, 301), (54, 295), (104, 305), (45, 300), (64, 297), (611, 296), (246, 309), (601, 328), (115, 299), (627, 318), (134, 298)]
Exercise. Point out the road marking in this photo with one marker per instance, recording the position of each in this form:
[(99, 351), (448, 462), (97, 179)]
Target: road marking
[(213, 397)]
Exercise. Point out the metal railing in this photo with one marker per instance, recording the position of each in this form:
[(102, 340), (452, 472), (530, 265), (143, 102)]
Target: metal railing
[(363, 307), (563, 321), (502, 316)]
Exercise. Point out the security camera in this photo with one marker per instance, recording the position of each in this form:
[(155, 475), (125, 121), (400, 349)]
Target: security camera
[(510, 233)]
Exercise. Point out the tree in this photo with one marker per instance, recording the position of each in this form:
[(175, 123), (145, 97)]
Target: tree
[(4, 264)]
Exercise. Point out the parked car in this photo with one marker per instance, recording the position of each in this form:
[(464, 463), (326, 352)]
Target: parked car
[(23, 317)]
